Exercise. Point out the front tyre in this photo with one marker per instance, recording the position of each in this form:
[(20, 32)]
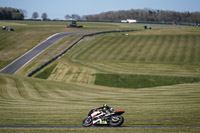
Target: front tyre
[(87, 122), (116, 121)]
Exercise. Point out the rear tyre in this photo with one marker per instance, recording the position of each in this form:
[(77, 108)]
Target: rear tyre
[(87, 122), (117, 121)]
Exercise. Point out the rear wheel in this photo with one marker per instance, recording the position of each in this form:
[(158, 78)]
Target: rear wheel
[(116, 121), (87, 122)]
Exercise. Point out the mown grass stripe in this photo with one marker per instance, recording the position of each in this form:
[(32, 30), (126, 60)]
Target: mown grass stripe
[(126, 45), (147, 48), (21, 89), (69, 75), (163, 47), (195, 53), (185, 49), (3, 89), (198, 49), (193, 49), (98, 49), (141, 47), (155, 47), (132, 53), (104, 52), (129, 52), (150, 48), (115, 52), (98, 46), (13, 90), (180, 50), (189, 49), (52, 93), (173, 47), (4, 36), (118, 51), (158, 49), (91, 46), (61, 73), (81, 78), (62, 70), (175, 50), (49, 91), (40, 90), (32, 93), (167, 51)]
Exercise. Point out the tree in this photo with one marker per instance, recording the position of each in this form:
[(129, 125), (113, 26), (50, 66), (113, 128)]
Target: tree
[(146, 15), (35, 15), (8, 13), (24, 12), (68, 17), (16, 16), (73, 17), (76, 17), (44, 16)]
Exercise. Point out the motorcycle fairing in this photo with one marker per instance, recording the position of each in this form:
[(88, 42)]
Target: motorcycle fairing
[(119, 112), (95, 113), (99, 121)]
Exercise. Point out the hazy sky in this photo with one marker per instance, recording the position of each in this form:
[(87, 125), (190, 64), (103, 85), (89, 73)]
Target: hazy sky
[(59, 8)]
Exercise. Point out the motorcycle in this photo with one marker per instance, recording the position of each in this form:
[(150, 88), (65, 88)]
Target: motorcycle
[(96, 118)]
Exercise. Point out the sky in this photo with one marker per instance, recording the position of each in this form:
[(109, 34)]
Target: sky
[(57, 9)]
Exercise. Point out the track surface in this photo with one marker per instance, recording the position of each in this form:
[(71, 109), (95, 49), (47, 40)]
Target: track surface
[(31, 54), (48, 126)]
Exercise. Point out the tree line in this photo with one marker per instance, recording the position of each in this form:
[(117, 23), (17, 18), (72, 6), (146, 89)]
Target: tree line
[(44, 16), (11, 14), (8, 13), (143, 15), (146, 15)]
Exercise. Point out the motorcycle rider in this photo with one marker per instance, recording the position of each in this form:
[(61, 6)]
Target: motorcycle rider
[(104, 115), (106, 109)]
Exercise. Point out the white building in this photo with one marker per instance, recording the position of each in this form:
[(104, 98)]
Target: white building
[(129, 21), (124, 21)]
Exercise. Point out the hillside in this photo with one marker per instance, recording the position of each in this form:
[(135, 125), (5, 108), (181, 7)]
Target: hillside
[(28, 34), (29, 101), (153, 75), (163, 56)]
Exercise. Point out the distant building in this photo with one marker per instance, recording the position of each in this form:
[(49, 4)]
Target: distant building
[(124, 21), (129, 21)]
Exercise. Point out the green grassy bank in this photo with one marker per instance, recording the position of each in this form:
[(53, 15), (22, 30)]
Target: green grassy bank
[(29, 101)]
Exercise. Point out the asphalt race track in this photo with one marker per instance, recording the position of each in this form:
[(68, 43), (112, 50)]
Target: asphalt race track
[(49, 126), (13, 67)]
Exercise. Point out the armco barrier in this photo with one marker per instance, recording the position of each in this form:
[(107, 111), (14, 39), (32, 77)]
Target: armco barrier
[(59, 55)]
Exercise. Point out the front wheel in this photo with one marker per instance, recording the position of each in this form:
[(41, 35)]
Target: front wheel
[(116, 121), (87, 122)]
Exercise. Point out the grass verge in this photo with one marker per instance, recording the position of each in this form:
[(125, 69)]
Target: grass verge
[(47, 72), (140, 81)]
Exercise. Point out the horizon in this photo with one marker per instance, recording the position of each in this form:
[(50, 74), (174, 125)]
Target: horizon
[(58, 9)]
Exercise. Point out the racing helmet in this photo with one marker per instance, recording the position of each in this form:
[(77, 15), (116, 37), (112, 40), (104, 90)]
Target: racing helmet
[(104, 105)]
